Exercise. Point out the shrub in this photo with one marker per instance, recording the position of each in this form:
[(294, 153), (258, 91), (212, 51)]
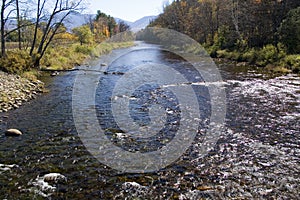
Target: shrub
[(16, 62), (293, 62), (83, 49), (250, 56), (270, 54)]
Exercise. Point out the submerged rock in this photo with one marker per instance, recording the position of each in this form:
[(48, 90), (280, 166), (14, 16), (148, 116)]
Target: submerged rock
[(13, 132)]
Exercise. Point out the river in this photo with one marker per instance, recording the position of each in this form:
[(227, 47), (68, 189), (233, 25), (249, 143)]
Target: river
[(256, 156)]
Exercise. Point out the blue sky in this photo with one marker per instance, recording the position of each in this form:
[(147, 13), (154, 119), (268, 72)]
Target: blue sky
[(130, 10)]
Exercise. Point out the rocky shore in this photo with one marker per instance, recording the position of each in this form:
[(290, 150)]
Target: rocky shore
[(15, 90)]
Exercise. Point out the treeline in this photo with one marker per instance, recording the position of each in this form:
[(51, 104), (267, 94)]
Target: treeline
[(237, 25), (33, 34)]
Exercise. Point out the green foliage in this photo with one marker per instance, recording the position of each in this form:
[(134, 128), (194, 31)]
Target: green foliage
[(84, 34), (66, 57), (60, 58), (250, 56), (270, 54), (230, 55), (293, 62), (16, 62), (221, 38), (84, 49), (289, 31), (31, 75)]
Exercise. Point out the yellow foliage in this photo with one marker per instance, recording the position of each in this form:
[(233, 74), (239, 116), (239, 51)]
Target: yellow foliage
[(66, 36)]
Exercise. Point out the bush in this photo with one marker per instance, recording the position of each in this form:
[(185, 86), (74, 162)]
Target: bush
[(31, 75), (250, 56), (83, 49), (16, 62), (270, 54), (293, 62)]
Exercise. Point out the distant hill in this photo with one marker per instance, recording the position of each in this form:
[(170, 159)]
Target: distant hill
[(141, 23), (77, 19), (118, 20)]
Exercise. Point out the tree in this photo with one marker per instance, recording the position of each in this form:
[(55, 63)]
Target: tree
[(122, 27), (247, 23), (289, 31), (84, 34), (61, 9), (18, 24), (4, 7), (104, 26)]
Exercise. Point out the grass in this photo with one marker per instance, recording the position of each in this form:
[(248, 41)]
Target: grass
[(67, 57), (272, 58)]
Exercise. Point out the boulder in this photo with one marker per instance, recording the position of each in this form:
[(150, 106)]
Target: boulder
[(13, 132)]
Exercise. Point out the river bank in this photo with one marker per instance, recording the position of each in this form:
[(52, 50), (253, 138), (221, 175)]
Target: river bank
[(15, 90)]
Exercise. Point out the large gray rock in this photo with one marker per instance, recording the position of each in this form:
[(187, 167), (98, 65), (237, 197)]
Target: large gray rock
[(13, 132)]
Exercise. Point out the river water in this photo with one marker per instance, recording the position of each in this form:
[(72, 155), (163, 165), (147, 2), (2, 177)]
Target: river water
[(256, 156)]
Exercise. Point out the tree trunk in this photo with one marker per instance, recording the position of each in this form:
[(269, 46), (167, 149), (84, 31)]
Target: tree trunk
[(2, 29), (18, 24), (36, 26)]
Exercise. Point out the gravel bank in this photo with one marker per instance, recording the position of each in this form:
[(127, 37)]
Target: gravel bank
[(15, 90)]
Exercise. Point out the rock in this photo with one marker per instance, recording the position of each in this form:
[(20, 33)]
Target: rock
[(15, 90), (13, 132), (55, 73), (103, 64), (54, 177), (241, 64), (118, 73)]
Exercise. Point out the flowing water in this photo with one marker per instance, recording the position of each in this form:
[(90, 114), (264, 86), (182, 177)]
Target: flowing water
[(256, 156)]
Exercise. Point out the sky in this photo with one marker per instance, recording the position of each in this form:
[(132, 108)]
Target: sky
[(129, 10)]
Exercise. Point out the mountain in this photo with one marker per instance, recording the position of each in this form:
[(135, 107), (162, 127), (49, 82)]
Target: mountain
[(118, 20), (141, 23), (77, 19)]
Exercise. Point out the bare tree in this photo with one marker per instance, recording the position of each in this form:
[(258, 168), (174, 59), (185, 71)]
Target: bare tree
[(18, 24), (122, 26), (39, 11), (3, 18), (61, 9)]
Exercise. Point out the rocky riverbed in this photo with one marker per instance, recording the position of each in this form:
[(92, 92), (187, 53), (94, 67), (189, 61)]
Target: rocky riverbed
[(15, 90)]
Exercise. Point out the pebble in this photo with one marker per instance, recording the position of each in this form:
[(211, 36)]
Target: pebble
[(13, 132), (15, 90)]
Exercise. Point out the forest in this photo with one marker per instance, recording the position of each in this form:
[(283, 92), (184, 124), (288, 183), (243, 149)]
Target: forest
[(34, 36), (260, 32)]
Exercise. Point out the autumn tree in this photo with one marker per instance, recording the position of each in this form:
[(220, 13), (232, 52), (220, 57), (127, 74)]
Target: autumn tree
[(104, 26), (230, 23), (84, 34)]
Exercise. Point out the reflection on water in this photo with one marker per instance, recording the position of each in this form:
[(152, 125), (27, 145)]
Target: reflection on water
[(257, 156)]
